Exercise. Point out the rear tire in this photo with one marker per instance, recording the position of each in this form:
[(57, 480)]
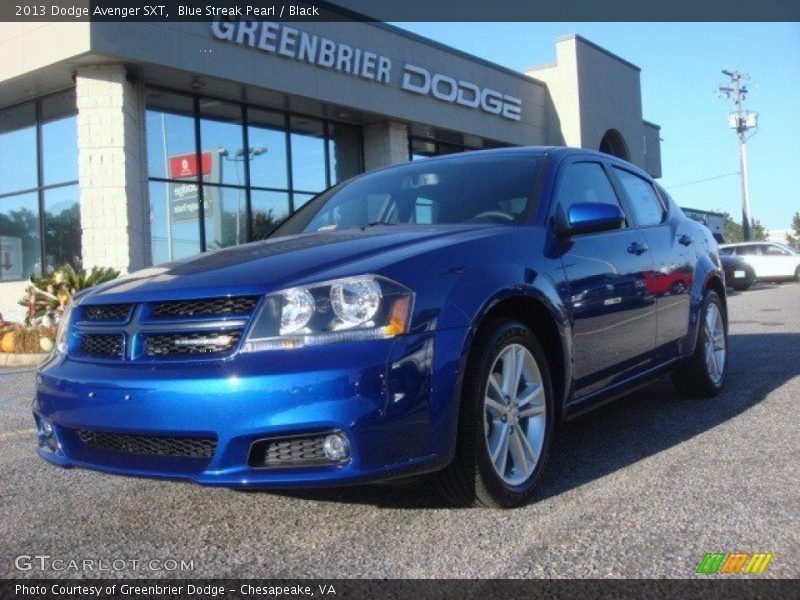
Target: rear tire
[(704, 374), (797, 274), (740, 287), (506, 393)]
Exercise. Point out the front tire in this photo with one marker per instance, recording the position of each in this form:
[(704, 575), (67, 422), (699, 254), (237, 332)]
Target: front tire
[(505, 420), (704, 374)]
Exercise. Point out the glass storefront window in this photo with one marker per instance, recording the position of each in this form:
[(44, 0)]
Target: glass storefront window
[(174, 224), (450, 148), (59, 139), (18, 148), (269, 209), (300, 199), (20, 244), (221, 137), (32, 201), (62, 226), (422, 149), (225, 216), (247, 181), (308, 154), (344, 152), (170, 134), (266, 134)]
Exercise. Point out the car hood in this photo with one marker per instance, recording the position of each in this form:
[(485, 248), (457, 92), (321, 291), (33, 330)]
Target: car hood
[(273, 264)]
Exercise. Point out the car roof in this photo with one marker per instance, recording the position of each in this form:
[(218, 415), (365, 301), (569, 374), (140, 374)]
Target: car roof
[(734, 244), (557, 152)]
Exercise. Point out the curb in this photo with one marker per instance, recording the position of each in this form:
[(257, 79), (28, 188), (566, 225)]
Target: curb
[(21, 360)]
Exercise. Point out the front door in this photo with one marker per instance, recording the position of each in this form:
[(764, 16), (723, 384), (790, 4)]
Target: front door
[(613, 315)]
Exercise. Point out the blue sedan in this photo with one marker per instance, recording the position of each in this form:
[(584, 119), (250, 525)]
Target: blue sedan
[(438, 317)]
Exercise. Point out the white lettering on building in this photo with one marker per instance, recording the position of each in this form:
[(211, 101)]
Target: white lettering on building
[(295, 44)]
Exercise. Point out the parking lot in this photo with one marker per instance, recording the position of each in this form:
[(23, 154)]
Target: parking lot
[(643, 487)]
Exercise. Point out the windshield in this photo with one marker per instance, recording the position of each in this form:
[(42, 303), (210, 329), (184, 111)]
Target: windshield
[(469, 189)]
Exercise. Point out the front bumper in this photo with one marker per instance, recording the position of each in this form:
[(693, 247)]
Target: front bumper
[(378, 393)]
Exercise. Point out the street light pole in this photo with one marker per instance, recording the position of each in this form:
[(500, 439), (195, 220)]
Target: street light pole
[(241, 155)]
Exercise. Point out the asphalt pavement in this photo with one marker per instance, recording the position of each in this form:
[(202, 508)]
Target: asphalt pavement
[(643, 487)]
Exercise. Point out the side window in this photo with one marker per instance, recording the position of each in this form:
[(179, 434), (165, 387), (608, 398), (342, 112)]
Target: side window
[(775, 251), (584, 182), (748, 251), (646, 207)]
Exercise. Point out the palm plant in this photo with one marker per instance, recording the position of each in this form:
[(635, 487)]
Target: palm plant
[(47, 296)]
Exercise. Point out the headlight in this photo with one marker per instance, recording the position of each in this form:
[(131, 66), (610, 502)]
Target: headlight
[(63, 328), (367, 307)]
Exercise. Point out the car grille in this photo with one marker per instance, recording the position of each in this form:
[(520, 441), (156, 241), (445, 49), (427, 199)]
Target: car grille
[(107, 312), (186, 447), (189, 343), (296, 451), (214, 307), (103, 345), (196, 329)]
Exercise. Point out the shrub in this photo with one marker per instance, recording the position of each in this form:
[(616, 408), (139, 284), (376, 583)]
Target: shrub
[(48, 295)]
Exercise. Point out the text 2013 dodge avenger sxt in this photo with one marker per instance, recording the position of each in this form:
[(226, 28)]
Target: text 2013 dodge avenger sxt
[(438, 316)]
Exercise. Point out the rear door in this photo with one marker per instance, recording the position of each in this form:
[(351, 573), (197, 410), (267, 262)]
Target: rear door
[(613, 320), (671, 242)]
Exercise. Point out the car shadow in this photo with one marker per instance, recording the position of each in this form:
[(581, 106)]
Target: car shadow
[(758, 286), (623, 432)]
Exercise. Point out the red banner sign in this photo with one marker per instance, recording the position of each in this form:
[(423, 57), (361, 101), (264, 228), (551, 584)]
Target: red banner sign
[(185, 165)]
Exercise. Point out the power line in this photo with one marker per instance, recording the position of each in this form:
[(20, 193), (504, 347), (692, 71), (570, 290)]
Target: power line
[(677, 185)]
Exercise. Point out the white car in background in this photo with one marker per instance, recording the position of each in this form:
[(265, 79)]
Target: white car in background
[(772, 261)]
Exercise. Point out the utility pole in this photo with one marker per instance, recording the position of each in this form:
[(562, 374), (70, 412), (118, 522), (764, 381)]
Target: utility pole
[(741, 121)]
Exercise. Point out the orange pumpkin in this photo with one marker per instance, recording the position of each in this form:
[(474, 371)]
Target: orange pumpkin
[(8, 343)]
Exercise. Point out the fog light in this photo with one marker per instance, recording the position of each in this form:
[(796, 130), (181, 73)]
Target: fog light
[(47, 436), (336, 447)]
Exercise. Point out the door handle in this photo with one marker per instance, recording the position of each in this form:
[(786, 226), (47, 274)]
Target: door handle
[(638, 248), (685, 239)]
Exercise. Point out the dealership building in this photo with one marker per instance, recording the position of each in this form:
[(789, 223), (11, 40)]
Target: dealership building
[(128, 144)]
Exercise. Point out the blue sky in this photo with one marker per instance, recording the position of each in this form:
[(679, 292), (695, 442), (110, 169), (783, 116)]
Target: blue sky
[(681, 65)]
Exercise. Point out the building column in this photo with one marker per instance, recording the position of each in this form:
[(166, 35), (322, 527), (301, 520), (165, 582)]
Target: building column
[(385, 143), (112, 169)]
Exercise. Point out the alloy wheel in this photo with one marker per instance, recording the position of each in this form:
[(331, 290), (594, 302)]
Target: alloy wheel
[(514, 414), (714, 343)]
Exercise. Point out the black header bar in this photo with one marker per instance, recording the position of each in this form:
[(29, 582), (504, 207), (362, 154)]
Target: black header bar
[(399, 11)]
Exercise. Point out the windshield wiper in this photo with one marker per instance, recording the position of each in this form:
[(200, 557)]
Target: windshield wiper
[(375, 224)]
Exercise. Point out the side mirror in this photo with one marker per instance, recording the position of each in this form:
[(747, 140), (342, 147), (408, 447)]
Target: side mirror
[(592, 217)]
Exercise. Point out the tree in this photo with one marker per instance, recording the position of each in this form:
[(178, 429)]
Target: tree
[(733, 230), (793, 239), (735, 233), (758, 232)]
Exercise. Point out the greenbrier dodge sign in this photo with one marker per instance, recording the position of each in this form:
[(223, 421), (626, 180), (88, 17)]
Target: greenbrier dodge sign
[(292, 43)]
